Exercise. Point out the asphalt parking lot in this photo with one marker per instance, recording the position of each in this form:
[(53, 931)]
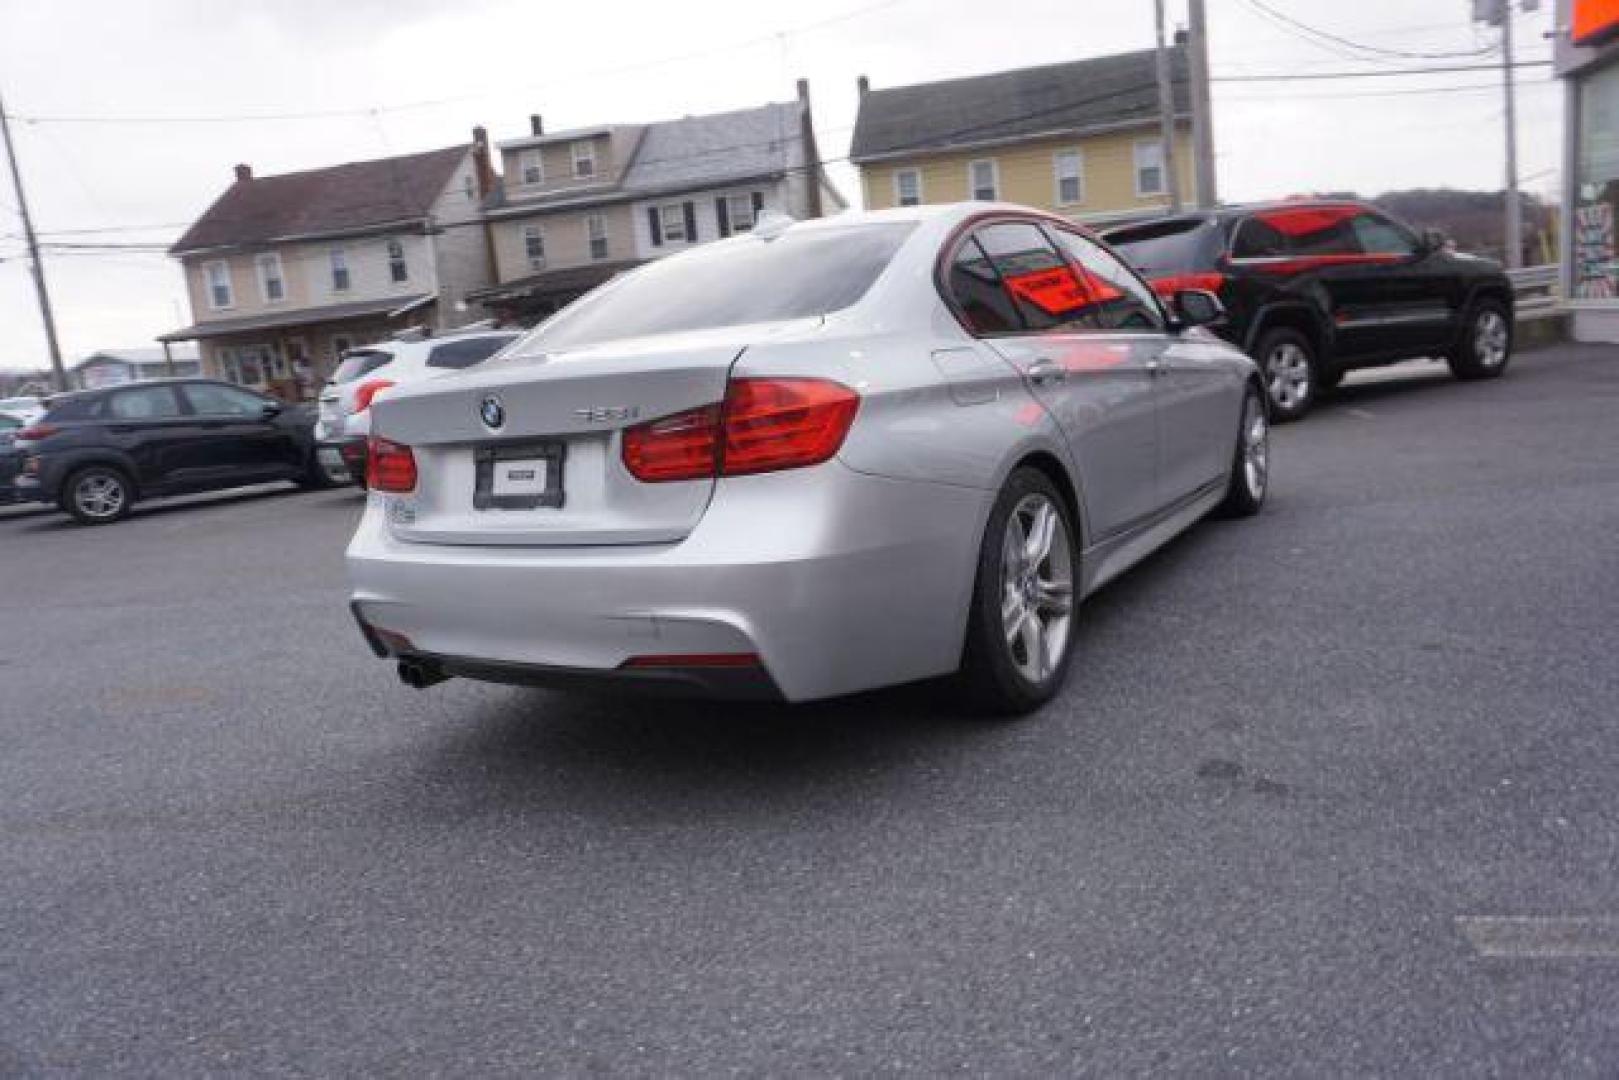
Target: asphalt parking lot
[(1303, 762)]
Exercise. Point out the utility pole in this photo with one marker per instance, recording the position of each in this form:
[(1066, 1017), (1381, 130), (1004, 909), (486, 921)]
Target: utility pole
[(1514, 204), (1208, 188), (1166, 113), (57, 372)]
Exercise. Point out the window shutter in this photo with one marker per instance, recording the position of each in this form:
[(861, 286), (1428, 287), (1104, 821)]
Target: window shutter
[(656, 226), (691, 222), (724, 214), (758, 204)]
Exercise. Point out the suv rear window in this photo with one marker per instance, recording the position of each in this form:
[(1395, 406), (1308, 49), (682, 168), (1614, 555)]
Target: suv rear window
[(360, 362), (459, 355), (1163, 247), (802, 272)]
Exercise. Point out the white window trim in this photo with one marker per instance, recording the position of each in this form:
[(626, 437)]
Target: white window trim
[(679, 216), (537, 157), (1056, 176), (388, 247), (1163, 168), (899, 199), (589, 154), (590, 246), (745, 198), (539, 233), (259, 262), (994, 178), (331, 269), (208, 285)]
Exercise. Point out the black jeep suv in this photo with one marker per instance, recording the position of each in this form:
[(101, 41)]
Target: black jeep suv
[(1315, 289), (96, 452)]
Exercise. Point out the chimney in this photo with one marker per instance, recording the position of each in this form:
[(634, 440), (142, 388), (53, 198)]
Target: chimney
[(812, 155), (863, 83), (480, 160), (535, 125), (244, 172)]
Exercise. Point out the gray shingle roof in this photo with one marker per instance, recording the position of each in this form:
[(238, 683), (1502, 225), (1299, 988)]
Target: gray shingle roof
[(703, 151), (1080, 95), (331, 200)]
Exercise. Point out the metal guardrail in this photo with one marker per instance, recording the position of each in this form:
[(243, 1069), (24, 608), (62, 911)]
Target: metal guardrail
[(1536, 290)]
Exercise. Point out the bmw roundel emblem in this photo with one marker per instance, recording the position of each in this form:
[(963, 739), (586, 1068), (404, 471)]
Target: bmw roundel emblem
[(492, 411)]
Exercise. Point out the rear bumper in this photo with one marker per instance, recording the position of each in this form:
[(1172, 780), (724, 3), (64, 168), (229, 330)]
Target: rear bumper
[(836, 580)]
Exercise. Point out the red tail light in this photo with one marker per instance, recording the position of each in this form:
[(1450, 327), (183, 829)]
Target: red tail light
[(1168, 286), (367, 391), (390, 467), (36, 433), (764, 425)]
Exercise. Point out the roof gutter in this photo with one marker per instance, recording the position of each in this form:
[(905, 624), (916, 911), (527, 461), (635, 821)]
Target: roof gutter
[(926, 149)]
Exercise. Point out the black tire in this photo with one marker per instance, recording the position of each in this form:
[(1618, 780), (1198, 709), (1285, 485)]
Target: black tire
[(990, 674), (97, 495), (1486, 346), (1245, 494), (314, 476), (1292, 392)]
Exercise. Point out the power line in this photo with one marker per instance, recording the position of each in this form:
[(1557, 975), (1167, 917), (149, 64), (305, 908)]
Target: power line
[(1383, 74), (1399, 54)]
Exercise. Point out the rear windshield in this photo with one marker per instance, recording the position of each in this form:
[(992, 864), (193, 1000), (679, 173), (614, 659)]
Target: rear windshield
[(359, 362), (1163, 247), (797, 274), (457, 355)]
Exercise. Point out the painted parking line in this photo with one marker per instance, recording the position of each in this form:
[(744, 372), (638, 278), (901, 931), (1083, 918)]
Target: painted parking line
[(1541, 937)]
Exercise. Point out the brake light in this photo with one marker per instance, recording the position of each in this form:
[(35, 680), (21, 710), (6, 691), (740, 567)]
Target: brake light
[(36, 433), (390, 466), (367, 391), (764, 425), (1168, 286)]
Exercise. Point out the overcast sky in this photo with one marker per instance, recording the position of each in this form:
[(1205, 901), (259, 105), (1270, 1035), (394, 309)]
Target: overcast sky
[(416, 74)]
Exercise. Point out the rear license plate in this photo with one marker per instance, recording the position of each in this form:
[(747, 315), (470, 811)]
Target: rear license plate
[(519, 477)]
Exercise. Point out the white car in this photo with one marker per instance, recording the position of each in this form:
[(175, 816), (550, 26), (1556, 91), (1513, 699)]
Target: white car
[(345, 401), (26, 409)]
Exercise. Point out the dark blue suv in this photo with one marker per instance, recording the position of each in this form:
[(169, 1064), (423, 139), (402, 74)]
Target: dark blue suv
[(95, 453)]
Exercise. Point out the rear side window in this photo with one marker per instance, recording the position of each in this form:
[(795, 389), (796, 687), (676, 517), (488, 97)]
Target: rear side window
[(359, 363), (975, 286), (1163, 247), (212, 399), (800, 273), (1048, 294), (1298, 231), (1258, 239), (458, 355), (148, 403)]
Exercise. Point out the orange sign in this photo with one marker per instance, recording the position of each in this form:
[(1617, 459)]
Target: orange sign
[(1594, 18)]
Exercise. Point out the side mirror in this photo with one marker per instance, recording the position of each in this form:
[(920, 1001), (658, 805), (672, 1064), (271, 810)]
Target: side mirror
[(1198, 307), (272, 409)]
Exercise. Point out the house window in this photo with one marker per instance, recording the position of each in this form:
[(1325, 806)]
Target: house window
[(596, 230), (397, 270), (982, 180), (468, 188), (219, 291), (271, 285), (673, 217), (340, 270), (584, 158), (740, 210), (533, 170), (1149, 160), (908, 187), (1069, 167), (534, 246)]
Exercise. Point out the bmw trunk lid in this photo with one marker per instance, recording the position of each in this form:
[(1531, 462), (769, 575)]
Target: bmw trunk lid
[(528, 451)]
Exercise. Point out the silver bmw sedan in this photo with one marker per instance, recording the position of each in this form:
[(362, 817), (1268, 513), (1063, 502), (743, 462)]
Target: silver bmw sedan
[(810, 460)]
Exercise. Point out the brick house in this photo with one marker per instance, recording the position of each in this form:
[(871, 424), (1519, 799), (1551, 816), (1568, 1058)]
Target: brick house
[(285, 272), (1080, 139), (576, 207)]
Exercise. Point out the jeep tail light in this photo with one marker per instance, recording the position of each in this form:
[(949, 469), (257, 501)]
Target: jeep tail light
[(36, 433), (1168, 286), (764, 425), (390, 466), (367, 391)]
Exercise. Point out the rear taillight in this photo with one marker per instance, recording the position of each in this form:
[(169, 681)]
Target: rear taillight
[(367, 391), (389, 466), (764, 425), (1167, 287), (36, 433)]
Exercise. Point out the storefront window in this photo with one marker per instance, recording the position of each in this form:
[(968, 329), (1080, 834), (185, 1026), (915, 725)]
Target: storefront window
[(1596, 270)]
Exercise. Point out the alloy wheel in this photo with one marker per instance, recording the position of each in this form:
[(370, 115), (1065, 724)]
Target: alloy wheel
[(99, 495), (1491, 339), (1255, 447), (1037, 587), (1288, 375)]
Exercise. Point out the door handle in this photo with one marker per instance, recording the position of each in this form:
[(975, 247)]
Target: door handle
[(1042, 372)]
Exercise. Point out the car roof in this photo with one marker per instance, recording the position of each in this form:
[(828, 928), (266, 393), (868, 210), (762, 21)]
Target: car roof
[(1236, 210)]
